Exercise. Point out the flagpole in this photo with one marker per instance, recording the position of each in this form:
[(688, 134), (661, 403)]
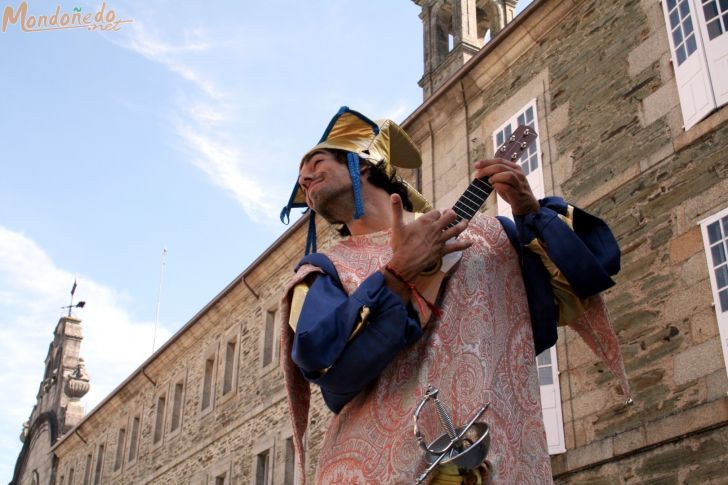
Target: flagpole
[(159, 297)]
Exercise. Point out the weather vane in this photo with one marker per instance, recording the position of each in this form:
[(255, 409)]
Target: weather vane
[(80, 304)]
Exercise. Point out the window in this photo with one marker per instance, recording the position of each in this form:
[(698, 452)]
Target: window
[(268, 337), (87, 471), (134, 441), (715, 240), (228, 363), (99, 464), (70, 476), (209, 376), (262, 468), (219, 474), (530, 160), (699, 47), (289, 465), (159, 421), (177, 401), (548, 382), (62, 480), (262, 453), (546, 362), (207, 382), (229, 374), (120, 442)]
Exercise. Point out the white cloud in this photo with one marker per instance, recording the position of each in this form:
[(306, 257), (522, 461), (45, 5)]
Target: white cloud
[(32, 290), (146, 42), (204, 122)]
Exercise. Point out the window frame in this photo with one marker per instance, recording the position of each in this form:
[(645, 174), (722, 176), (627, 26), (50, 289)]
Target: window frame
[(285, 436), (512, 122), (99, 462), (179, 378), (223, 466), (212, 352), (537, 180), (88, 466), (131, 461), (701, 84), (157, 423), (265, 444), (120, 450), (720, 315), (232, 335), (271, 306)]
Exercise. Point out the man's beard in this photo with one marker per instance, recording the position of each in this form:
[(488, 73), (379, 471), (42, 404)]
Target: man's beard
[(335, 205)]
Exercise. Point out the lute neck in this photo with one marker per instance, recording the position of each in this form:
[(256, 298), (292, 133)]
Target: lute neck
[(472, 199)]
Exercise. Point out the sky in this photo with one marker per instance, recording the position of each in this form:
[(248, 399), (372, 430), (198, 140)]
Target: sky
[(181, 130)]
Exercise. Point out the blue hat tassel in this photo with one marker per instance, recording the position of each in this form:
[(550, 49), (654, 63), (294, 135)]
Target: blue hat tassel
[(353, 162), (311, 238)]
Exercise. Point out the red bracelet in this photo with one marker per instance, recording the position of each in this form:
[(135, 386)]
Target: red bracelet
[(416, 295)]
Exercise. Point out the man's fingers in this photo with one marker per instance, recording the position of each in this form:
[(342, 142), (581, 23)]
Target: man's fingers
[(432, 215), (489, 168), (448, 217), (397, 212), (455, 230), (507, 178), (502, 162), (456, 245)]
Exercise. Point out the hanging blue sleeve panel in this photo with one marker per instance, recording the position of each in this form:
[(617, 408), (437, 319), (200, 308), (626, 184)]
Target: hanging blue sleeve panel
[(321, 345)]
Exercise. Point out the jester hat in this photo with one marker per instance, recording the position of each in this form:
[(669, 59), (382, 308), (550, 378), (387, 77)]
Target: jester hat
[(380, 142)]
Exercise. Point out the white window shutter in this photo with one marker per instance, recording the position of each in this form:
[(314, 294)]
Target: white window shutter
[(713, 21), (530, 160), (546, 363), (691, 70), (715, 240), (553, 420)]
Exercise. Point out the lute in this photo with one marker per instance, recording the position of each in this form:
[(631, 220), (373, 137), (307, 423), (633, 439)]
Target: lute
[(429, 283)]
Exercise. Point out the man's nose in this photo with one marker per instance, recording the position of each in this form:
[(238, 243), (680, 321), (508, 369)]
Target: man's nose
[(304, 178)]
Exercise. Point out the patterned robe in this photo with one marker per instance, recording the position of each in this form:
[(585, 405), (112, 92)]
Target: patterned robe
[(480, 351)]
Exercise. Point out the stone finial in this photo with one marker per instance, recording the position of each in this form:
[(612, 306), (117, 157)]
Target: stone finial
[(24, 432), (77, 384)]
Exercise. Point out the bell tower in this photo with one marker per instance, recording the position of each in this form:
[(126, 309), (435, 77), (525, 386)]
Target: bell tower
[(454, 30), (58, 407)]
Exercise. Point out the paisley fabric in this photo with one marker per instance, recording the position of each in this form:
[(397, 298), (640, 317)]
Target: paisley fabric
[(480, 351)]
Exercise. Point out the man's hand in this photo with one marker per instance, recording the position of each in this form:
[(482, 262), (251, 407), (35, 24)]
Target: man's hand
[(418, 245), (509, 181)]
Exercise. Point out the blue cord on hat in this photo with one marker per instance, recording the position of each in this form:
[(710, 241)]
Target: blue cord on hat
[(311, 237), (353, 162)]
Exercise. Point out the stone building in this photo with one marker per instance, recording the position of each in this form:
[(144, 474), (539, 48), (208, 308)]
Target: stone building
[(629, 100)]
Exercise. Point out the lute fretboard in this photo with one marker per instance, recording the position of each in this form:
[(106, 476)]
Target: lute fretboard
[(479, 189)]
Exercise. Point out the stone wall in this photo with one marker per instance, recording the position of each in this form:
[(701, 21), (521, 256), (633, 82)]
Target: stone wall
[(223, 439), (612, 142)]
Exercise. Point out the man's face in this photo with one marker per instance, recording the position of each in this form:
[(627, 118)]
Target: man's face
[(327, 185)]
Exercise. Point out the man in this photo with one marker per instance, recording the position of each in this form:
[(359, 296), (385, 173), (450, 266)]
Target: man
[(351, 315)]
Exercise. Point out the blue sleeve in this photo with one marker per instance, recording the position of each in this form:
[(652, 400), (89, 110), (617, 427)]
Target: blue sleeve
[(326, 322), (587, 256), (537, 282)]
